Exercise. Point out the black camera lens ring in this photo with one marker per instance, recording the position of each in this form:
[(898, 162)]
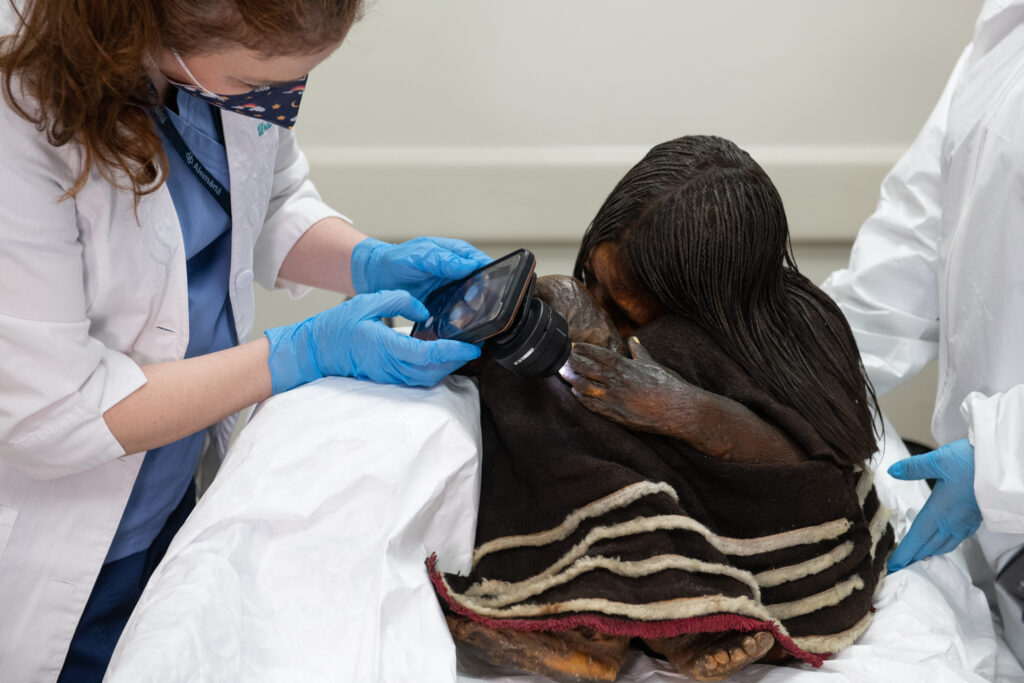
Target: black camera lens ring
[(537, 344)]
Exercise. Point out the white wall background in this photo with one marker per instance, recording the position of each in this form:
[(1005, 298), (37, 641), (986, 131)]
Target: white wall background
[(506, 122)]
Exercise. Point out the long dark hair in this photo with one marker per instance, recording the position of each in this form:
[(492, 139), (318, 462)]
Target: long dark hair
[(83, 64), (703, 230)]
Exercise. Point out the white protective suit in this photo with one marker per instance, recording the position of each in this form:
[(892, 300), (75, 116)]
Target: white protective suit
[(937, 271), (88, 293)]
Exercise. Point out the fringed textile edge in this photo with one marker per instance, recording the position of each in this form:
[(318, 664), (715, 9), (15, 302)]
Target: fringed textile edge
[(623, 627)]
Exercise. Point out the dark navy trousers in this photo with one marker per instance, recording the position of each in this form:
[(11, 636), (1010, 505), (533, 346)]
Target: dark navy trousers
[(117, 590)]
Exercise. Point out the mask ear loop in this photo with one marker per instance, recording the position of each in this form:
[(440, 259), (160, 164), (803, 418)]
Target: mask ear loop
[(189, 72)]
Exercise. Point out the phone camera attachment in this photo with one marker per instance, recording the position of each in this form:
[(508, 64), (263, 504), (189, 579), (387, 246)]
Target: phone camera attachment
[(537, 345), (496, 303)]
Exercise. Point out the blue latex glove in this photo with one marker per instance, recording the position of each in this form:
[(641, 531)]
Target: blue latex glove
[(351, 341), (950, 514), (418, 266)]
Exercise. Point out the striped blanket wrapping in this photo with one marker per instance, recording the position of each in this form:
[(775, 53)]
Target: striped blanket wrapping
[(585, 523)]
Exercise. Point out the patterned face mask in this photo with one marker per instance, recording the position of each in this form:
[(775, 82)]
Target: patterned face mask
[(277, 104)]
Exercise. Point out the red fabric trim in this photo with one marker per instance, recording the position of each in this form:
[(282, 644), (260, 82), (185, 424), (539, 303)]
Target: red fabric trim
[(627, 627)]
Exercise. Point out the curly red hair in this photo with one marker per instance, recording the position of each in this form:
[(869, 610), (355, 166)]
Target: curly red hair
[(82, 66)]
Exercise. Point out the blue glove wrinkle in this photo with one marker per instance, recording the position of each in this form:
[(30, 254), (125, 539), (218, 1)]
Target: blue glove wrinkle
[(418, 266), (366, 256), (350, 340), (948, 544), (445, 263), (950, 514), (292, 361)]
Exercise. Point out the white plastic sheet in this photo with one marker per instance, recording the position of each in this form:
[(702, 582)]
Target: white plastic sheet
[(304, 561)]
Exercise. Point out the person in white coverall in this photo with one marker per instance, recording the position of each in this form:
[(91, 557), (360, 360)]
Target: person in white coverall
[(938, 271)]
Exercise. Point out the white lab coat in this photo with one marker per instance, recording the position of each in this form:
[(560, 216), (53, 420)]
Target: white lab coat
[(88, 293), (937, 271)]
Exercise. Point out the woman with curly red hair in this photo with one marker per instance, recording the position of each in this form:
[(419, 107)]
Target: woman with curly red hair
[(149, 175)]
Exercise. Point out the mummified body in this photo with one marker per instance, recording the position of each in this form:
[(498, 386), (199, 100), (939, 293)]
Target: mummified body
[(695, 479)]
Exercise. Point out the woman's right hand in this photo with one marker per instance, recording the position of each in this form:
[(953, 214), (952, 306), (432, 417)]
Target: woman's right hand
[(588, 322), (350, 340)]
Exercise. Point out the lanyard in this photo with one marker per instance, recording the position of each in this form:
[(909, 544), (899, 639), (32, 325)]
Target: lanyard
[(217, 191)]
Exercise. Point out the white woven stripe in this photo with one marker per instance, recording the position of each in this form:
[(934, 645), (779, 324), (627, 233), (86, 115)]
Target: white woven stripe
[(815, 565), (787, 539), (864, 484), (879, 523), (499, 600), (613, 501), (834, 642), (639, 525), (678, 608), (502, 593), (827, 598), (730, 546)]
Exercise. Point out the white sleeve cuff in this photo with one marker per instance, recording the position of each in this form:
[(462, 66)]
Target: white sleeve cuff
[(997, 432), (279, 236), (59, 384)]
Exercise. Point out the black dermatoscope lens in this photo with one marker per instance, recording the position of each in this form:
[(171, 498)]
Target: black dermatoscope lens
[(536, 345)]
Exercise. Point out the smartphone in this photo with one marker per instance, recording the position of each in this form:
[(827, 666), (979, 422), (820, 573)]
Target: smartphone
[(483, 304)]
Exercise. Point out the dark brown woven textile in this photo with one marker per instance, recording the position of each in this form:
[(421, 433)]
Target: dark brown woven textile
[(583, 522)]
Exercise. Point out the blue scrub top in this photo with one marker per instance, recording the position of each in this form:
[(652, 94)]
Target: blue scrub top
[(206, 229)]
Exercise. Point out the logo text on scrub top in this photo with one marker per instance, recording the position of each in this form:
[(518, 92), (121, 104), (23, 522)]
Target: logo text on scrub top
[(263, 128)]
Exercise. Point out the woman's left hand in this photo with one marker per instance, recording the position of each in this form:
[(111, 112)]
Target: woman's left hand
[(637, 393), (418, 266)]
